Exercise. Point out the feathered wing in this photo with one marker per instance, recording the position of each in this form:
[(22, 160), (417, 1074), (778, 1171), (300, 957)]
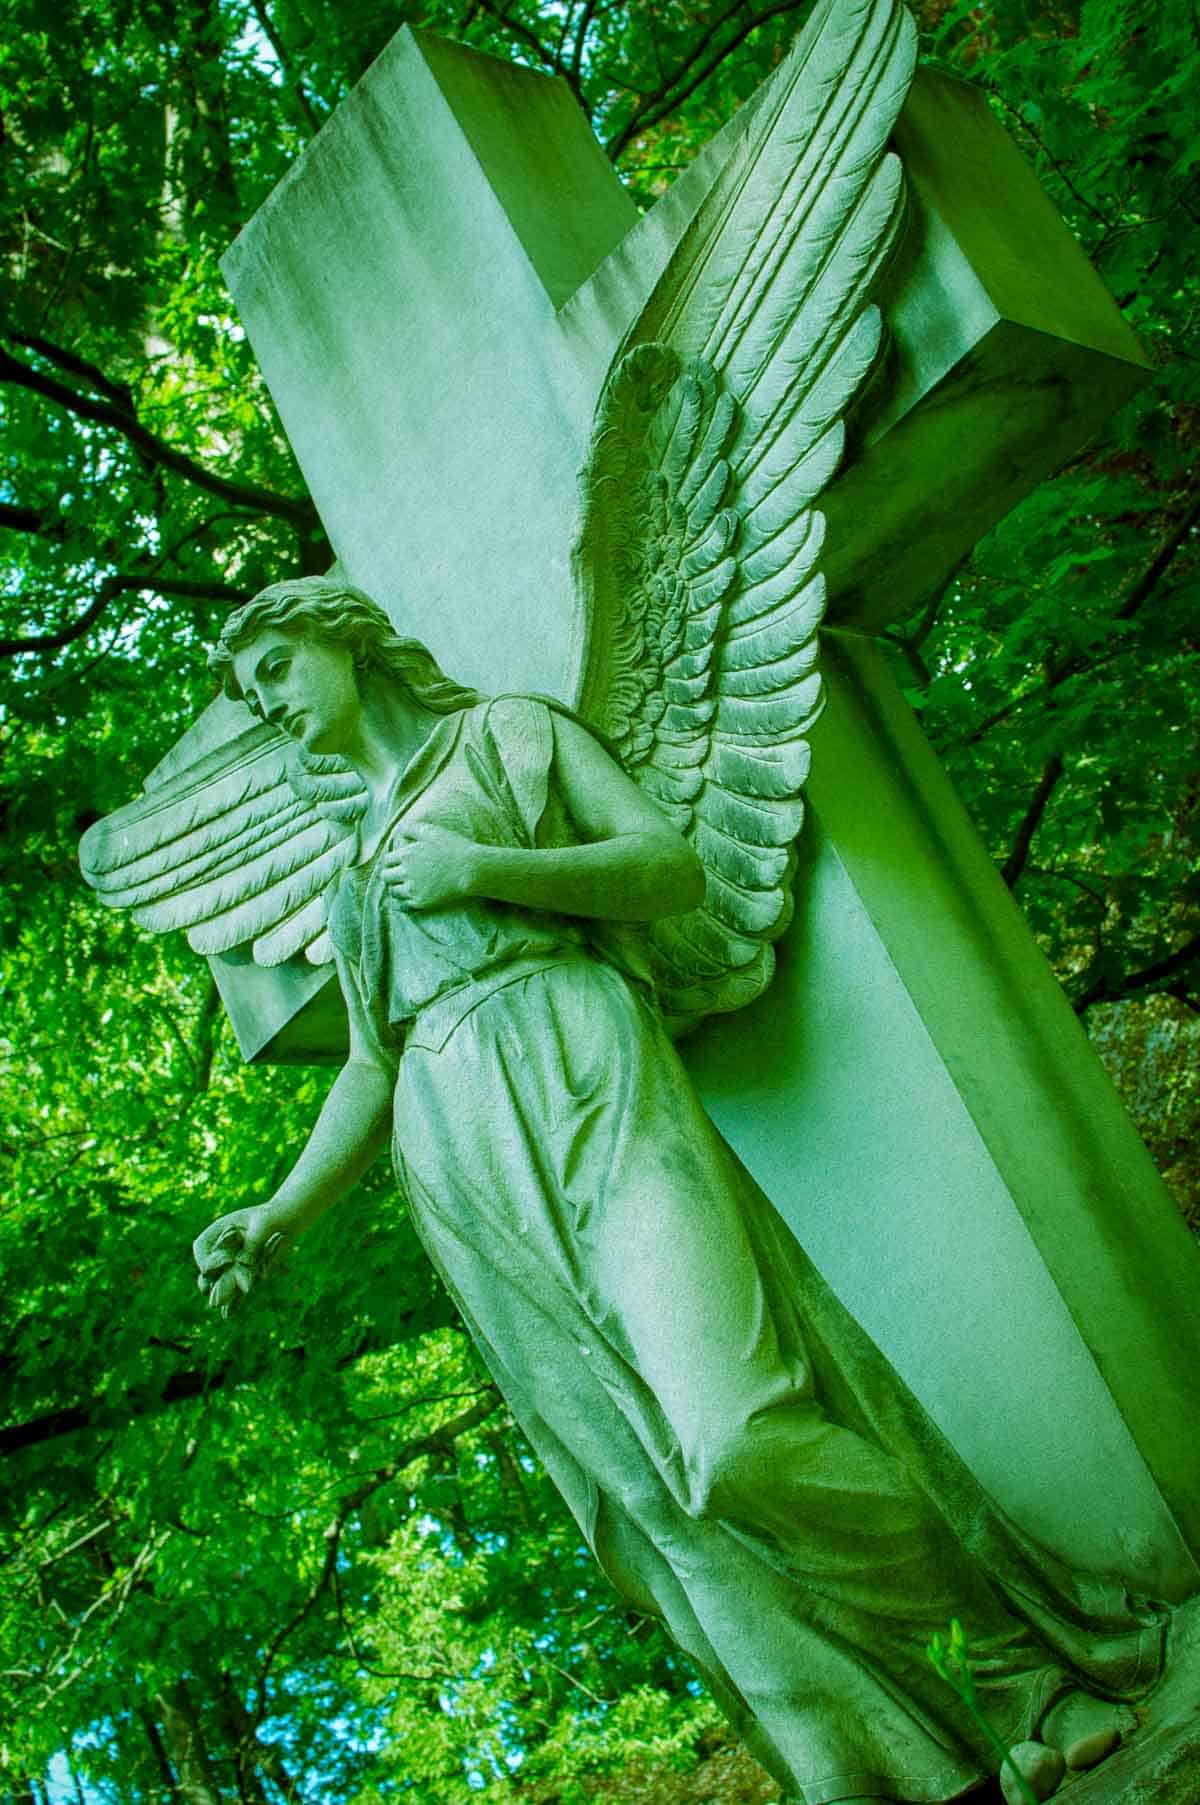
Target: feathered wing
[(721, 421), (238, 848)]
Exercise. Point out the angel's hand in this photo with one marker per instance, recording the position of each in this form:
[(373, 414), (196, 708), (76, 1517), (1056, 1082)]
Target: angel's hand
[(432, 868), (234, 1252)]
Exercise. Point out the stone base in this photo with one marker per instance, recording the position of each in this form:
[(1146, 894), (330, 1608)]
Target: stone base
[(1159, 1766), (1160, 1762)]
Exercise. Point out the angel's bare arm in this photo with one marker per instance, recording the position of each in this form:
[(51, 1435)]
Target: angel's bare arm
[(347, 1137), (632, 865), (348, 1134)]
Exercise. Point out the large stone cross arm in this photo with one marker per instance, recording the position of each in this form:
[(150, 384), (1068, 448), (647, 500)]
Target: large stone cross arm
[(436, 290), (435, 293)]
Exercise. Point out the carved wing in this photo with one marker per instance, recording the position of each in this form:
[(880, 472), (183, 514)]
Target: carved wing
[(721, 421), (239, 847)]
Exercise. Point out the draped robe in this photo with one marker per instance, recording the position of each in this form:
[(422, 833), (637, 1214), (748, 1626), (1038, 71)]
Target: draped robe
[(741, 1458)]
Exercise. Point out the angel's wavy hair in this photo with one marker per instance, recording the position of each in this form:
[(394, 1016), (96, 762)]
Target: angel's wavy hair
[(340, 615)]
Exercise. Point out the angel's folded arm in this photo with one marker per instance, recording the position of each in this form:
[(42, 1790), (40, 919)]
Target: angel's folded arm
[(631, 864)]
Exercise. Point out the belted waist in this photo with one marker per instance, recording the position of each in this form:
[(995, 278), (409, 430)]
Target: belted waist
[(433, 1025)]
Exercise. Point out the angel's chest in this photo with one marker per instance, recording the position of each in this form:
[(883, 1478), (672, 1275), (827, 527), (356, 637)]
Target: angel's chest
[(463, 798)]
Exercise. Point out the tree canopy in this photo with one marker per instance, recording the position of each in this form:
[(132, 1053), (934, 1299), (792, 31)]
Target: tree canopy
[(305, 1554)]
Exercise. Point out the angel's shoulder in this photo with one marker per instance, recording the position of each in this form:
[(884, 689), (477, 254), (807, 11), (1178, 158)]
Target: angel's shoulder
[(514, 727), (514, 710)]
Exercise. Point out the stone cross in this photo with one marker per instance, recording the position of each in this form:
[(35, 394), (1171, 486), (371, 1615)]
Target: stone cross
[(434, 294)]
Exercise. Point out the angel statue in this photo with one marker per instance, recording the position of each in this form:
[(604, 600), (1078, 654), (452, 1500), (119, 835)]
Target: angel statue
[(526, 902)]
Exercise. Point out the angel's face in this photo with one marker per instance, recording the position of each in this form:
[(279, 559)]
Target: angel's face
[(304, 685)]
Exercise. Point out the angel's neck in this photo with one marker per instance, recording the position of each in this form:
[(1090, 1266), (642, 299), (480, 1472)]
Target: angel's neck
[(392, 728)]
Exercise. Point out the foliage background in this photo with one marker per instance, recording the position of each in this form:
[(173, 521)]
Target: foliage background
[(305, 1555)]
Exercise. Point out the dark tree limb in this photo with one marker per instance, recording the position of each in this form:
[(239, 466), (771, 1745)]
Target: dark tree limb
[(524, 34), (910, 643), (1150, 977), (185, 1738), (32, 520), (177, 588), (251, 1755), (119, 393), (294, 84), (184, 589), (1170, 547), (204, 1044), (1054, 163), (1018, 856), (297, 509), (581, 31), (188, 1384), (179, 1388), (159, 1748)]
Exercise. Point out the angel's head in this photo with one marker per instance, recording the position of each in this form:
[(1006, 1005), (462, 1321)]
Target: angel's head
[(320, 640)]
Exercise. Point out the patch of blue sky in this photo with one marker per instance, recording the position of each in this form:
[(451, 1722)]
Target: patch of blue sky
[(254, 46)]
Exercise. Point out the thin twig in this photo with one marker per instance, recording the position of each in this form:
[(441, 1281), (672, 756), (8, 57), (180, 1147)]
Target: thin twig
[(1018, 855), (439, 1441), (643, 117)]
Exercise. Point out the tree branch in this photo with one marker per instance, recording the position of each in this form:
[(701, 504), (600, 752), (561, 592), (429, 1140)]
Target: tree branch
[(1104, 991), (32, 520), (709, 58), (1168, 550), (179, 588), (439, 1441), (205, 1043), (295, 85), (524, 35), (298, 510), (1018, 855), (1053, 161), (585, 20), (119, 393), (171, 1789), (1140, 591), (191, 1383)]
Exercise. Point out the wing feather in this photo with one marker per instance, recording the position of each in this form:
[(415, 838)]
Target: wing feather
[(779, 673), (716, 434), (246, 919), (293, 934), (770, 717), (721, 421), (772, 633), (237, 848), (778, 771), (149, 877)]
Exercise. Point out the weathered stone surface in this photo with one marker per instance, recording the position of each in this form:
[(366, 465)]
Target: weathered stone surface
[(1040, 1767), (1158, 1763), (1159, 1767), (1088, 1751)]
